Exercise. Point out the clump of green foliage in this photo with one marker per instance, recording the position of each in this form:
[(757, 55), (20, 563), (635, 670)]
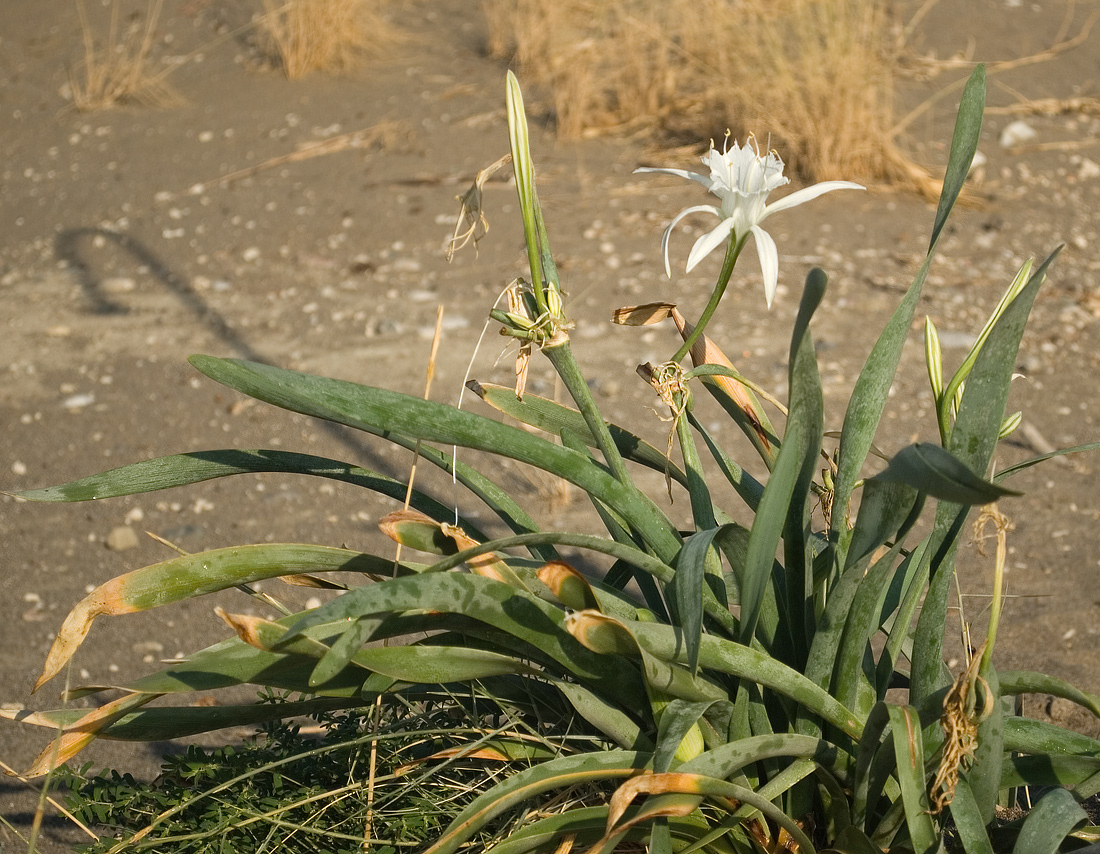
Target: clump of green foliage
[(777, 685)]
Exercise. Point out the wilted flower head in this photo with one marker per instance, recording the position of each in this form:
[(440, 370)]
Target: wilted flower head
[(742, 178)]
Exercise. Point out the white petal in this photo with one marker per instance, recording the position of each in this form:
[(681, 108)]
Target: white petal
[(679, 173), (769, 261), (709, 242), (806, 194), (672, 225)]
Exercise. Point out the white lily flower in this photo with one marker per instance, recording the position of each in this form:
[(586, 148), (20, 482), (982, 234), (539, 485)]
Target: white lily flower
[(742, 178)]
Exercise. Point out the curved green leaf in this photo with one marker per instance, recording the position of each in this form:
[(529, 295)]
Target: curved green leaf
[(1019, 467), (496, 604), (553, 418), (964, 143), (196, 575), (727, 656), (386, 412), (909, 753), (973, 440), (164, 723), (968, 820), (869, 395), (1048, 823), (1029, 682), (933, 471)]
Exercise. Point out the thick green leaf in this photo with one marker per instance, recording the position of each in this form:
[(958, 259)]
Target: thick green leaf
[(726, 656), (196, 575), (869, 396), (496, 604), (852, 685), (165, 723), (1025, 735), (909, 753), (1080, 772), (972, 441), (691, 569), (607, 716), (1048, 823), (747, 486), (384, 412), (884, 510), (964, 143), (677, 719), (933, 471), (553, 418), (1029, 682), (984, 775), (968, 820), (767, 529), (728, 759), (805, 431)]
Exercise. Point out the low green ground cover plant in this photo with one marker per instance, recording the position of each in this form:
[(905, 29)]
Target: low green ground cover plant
[(779, 685)]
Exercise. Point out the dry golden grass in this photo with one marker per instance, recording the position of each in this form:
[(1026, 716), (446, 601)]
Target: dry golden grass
[(118, 71), (327, 35), (813, 76)]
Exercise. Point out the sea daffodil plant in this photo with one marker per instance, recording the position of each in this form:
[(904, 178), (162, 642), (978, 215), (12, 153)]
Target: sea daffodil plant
[(773, 686)]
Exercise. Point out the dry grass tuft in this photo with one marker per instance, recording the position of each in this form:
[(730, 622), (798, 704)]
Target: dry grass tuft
[(327, 35), (117, 72), (814, 76)]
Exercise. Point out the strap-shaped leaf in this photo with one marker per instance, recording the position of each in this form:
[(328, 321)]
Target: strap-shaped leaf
[(930, 469), (195, 575), (783, 510), (972, 441), (747, 486), (968, 820), (499, 605), (726, 656), (1076, 449), (164, 723), (386, 412), (884, 511), (1030, 682), (869, 396), (678, 720), (553, 418), (691, 569), (964, 143), (1048, 823), (909, 753)]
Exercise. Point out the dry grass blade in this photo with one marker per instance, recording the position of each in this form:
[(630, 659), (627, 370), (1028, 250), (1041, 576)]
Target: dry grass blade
[(327, 35), (117, 72), (383, 135)]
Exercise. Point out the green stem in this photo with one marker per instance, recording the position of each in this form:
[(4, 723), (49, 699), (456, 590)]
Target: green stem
[(565, 363), (733, 250), (702, 510)]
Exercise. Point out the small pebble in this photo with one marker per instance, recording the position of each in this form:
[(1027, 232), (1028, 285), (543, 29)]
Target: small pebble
[(1017, 133), (78, 401), (121, 539), (117, 285)]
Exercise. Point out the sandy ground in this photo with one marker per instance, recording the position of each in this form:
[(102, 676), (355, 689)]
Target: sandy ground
[(122, 252)]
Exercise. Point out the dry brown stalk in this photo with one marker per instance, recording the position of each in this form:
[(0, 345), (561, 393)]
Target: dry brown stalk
[(817, 75), (117, 72), (382, 134), (327, 35)]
